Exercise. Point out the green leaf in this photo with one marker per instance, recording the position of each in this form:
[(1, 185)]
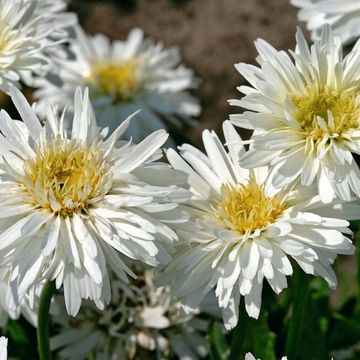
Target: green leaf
[(313, 344), (345, 332), (219, 349), (312, 324), (253, 336), (16, 332), (355, 226), (263, 339)]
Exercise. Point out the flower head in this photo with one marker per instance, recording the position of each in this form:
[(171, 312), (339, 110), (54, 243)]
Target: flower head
[(342, 15), (141, 321), (245, 231), (124, 76), (306, 115), (29, 28), (72, 202)]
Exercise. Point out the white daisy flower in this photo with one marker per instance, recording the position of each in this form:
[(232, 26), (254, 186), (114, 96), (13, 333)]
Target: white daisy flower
[(72, 201), (142, 321), (124, 76), (29, 28), (244, 231), (3, 348), (305, 113), (342, 15)]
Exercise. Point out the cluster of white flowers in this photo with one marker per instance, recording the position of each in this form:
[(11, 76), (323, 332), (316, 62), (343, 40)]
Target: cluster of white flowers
[(83, 206)]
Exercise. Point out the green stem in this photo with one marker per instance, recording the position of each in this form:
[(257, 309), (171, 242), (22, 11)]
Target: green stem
[(300, 299), (357, 252), (240, 334), (44, 321)]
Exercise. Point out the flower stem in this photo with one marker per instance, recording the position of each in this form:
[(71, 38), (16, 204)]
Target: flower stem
[(300, 300), (239, 336), (44, 321)]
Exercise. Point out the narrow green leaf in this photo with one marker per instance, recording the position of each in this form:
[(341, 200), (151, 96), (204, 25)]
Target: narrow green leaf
[(345, 332), (16, 332), (263, 339), (219, 348)]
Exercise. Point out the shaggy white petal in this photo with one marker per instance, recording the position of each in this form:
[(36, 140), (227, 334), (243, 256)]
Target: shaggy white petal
[(342, 15), (3, 348)]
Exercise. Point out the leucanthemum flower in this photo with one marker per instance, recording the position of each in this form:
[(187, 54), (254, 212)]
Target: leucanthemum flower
[(142, 321), (244, 231), (72, 202), (342, 15), (29, 28), (305, 113), (3, 348), (124, 76)]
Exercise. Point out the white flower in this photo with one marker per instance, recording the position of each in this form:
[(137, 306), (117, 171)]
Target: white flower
[(28, 29), (250, 356), (3, 348), (124, 76), (142, 321), (305, 113), (72, 201), (244, 231), (342, 15)]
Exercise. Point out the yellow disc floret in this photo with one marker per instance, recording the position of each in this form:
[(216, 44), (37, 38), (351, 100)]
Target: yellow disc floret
[(246, 207), (339, 111), (119, 80), (65, 176)]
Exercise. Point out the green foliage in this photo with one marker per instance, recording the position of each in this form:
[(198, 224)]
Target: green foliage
[(263, 339), (345, 332), (16, 332), (315, 326), (219, 349), (22, 339)]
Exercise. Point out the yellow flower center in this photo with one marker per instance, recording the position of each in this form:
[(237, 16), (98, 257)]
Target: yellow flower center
[(120, 80), (343, 106), (65, 176), (247, 208)]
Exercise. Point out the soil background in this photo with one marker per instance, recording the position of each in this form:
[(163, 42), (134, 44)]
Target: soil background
[(213, 35)]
